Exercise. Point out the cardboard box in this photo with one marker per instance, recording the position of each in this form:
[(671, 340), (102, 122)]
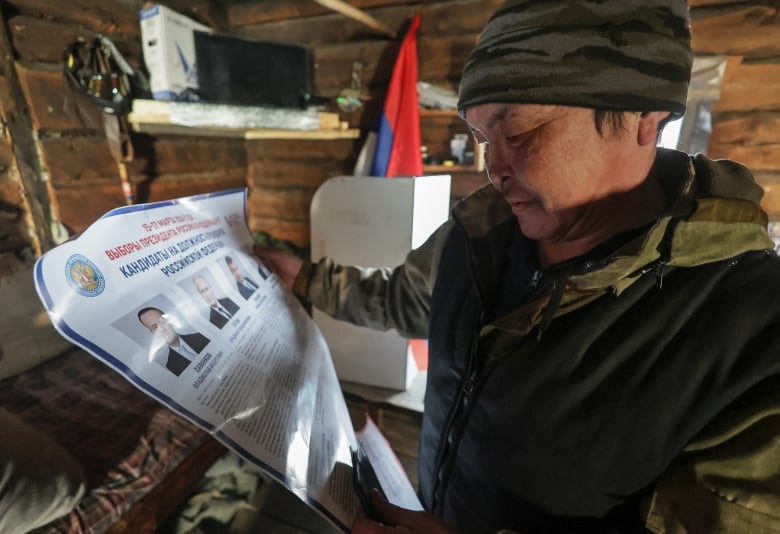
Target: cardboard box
[(373, 222), (168, 46)]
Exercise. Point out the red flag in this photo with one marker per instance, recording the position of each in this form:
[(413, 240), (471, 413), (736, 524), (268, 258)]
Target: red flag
[(398, 139)]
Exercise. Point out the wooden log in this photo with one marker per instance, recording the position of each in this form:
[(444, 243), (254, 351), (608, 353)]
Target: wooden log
[(78, 210), (14, 224), (455, 48), (359, 15), (37, 40), (440, 127), (333, 64), (65, 158), (309, 174), (110, 17), (749, 32), (170, 187), (176, 155), (750, 87), (296, 232), (758, 129), (242, 14), (770, 181), (212, 14), (289, 204), (437, 19), (285, 149), (54, 104), (32, 225), (755, 157)]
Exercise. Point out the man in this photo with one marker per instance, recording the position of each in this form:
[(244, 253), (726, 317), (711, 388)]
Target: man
[(603, 318), (182, 348), (246, 287), (220, 310)]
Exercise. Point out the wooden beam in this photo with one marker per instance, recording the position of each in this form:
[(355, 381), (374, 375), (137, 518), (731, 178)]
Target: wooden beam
[(354, 13), (244, 13), (751, 32), (18, 130), (151, 511), (755, 129), (750, 88), (756, 158), (111, 17)]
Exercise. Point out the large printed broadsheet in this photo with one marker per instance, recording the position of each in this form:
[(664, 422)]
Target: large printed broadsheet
[(170, 296)]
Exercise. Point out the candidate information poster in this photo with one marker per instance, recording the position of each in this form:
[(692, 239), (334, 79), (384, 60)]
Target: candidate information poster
[(170, 295)]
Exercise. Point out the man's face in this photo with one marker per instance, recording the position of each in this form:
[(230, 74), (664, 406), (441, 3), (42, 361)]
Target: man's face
[(551, 165), (159, 326), (205, 290), (236, 272)]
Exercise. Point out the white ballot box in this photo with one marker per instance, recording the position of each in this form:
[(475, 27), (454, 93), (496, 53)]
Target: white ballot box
[(373, 222)]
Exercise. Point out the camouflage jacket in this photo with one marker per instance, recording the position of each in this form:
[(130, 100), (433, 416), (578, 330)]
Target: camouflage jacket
[(636, 389)]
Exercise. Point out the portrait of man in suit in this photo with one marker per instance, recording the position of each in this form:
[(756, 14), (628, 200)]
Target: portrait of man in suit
[(246, 287), (221, 310), (182, 348)]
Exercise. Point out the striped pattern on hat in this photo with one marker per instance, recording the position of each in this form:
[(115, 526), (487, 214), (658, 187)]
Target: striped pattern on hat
[(622, 55)]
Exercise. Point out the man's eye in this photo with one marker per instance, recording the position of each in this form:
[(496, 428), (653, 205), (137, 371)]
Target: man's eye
[(519, 138)]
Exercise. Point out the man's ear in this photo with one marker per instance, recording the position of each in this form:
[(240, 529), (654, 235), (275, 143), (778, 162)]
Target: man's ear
[(647, 131)]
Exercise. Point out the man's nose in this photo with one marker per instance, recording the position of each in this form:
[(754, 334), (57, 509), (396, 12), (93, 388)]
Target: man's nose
[(498, 169)]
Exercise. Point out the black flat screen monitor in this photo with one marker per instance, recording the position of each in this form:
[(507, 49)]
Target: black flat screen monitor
[(233, 70)]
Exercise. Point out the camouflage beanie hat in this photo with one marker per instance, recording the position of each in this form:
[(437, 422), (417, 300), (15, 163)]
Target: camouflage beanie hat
[(621, 55)]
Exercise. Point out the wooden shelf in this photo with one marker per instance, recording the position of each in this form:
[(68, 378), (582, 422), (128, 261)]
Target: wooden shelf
[(215, 120), (255, 133), (426, 112), (448, 169)]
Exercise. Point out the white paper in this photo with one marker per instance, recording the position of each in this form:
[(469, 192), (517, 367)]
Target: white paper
[(260, 378), (389, 471)]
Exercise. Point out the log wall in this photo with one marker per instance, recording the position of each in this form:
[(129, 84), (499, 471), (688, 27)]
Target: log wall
[(284, 176), (746, 118), (55, 166)]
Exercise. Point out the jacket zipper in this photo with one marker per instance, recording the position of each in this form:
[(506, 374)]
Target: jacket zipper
[(446, 457), (455, 423)]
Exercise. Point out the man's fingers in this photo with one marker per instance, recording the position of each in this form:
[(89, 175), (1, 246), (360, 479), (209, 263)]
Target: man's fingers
[(391, 514), (364, 525)]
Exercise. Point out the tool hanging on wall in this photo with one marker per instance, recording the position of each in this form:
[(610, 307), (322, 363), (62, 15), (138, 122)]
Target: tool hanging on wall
[(350, 99), (97, 69)]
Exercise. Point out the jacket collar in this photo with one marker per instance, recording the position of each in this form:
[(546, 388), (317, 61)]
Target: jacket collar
[(713, 214)]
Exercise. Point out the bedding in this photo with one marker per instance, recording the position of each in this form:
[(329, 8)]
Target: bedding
[(124, 441)]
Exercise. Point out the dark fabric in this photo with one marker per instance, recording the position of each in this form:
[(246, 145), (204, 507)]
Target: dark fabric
[(542, 442), (39, 480), (559, 414), (125, 441), (219, 320), (567, 428), (176, 363), (246, 291), (623, 55)]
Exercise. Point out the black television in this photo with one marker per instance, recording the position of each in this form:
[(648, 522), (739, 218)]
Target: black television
[(239, 71)]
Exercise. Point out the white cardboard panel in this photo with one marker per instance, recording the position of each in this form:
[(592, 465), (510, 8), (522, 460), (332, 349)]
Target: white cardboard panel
[(373, 222)]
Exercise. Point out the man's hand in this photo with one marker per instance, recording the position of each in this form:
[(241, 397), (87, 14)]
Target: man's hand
[(398, 520), (285, 264)]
